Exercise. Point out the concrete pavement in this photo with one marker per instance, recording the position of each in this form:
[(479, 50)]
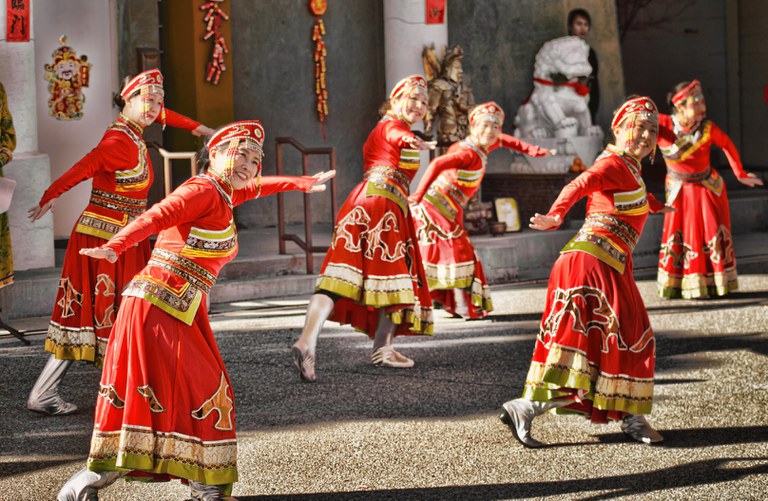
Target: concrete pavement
[(432, 432)]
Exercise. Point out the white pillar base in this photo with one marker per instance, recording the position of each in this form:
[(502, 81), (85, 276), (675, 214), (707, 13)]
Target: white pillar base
[(32, 242)]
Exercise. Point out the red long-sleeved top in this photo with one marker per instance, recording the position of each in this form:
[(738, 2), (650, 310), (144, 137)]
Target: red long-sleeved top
[(688, 152), (463, 165), (617, 207), (197, 237)]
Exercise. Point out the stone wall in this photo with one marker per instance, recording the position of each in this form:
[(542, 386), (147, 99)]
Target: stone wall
[(272, 56)]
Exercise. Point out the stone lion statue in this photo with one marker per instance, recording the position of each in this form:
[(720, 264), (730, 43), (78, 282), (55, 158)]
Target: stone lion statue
[(558, 106)]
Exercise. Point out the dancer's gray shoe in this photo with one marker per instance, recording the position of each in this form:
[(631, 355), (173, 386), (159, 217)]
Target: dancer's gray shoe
[(518, 415), (204, 492), (637, 427), (44, 397), (85, 484)]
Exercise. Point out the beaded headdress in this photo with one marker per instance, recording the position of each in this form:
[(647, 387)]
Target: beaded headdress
[(490, 110), (145, 82), (628, 114), (691, 90), (249, 132)]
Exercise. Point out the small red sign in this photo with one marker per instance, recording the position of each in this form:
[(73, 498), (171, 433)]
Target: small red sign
[(435, 12), (17, 20)]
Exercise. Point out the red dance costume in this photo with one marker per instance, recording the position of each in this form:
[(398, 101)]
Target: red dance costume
[(89, 289), (697, 258), (374, 260), (165, 402), (595, 344), (450, 262)]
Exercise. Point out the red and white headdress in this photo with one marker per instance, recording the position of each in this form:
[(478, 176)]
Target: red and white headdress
[(641, 107), (691, 90), (638, 108), (249, 131), (145, 83), (408, 84), (489, 109)]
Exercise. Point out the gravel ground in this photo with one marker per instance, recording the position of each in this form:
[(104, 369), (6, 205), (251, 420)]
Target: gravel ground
[(433, 432)]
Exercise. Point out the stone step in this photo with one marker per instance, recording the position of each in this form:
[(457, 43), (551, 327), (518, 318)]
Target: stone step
[(259, 272)]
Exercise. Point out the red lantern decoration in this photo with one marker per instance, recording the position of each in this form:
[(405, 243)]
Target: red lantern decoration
[(318, 8)]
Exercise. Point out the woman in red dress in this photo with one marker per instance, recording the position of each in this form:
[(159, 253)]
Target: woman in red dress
[(372, 278), (165, 404), (697, 259), (595, 351), (454, 273), (89, 291)]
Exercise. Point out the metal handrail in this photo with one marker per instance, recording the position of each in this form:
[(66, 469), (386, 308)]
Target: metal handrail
[(174, 155), (306, 244)]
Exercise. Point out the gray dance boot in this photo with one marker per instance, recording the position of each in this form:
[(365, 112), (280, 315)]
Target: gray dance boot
[(518, 415), (204, 492), (637, 427), (85, 484), (44, 397)]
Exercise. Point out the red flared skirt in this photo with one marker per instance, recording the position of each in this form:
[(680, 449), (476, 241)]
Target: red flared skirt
[(697, 258), (88, 298), (165, 404), (373, 263), (595, 345), (454, 273)]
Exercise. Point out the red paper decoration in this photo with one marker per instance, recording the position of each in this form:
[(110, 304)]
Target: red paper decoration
[(318, 8), (435, 12), (17, 21), (213, 19)]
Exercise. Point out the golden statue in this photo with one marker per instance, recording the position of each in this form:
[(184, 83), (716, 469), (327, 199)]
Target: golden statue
[(450, 99)]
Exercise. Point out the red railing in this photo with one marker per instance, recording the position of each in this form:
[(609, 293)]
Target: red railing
[(305, 244)]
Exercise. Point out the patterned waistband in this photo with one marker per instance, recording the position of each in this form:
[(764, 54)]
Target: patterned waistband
[(113, 201), (614, 225), (187, 269), (685, 177), (390, 180), (446, 197)]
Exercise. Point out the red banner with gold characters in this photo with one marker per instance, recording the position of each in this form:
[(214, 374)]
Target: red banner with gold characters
[(17, 20), (435, 12)]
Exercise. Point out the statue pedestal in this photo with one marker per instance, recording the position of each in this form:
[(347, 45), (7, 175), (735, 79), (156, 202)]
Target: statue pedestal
[(533, 192)]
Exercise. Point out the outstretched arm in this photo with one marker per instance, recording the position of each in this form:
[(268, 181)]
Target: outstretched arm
[(180, 121), (269, 185), (513, 143), (114, 151), (186, 203), (721, 140), (440, 164)]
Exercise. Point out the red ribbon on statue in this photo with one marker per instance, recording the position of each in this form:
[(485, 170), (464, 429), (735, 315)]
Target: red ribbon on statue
[(17, 21), (213, 19), (581, 89), (435, 12), (318, 8)]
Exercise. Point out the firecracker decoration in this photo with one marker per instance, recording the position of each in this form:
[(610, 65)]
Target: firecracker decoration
[(66, 77), (318, 8), (213, 18)]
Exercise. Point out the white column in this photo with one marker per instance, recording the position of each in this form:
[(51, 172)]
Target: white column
[(32, 242), (405, 35)]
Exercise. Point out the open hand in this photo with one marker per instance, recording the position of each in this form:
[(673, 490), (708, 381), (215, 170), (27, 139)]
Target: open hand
[(37, 212), (751, 180), (320, 179), (100, 253), (543, 222), (202, 130), (419, 144)]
